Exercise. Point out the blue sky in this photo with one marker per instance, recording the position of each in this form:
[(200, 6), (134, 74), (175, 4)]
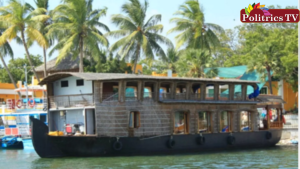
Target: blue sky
[(223, 13)]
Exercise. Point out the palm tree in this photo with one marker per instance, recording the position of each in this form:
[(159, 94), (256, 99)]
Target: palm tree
[(195, 33), (5, 49), (193, 62), (18, 17), (169, 61), (141, 35), (75, 26), (265, 57), (44, 4)]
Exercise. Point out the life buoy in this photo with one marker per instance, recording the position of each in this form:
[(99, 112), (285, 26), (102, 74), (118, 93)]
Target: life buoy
[(230, 140), (31, 104), (171, 143), (117, 145), (268, 135), (19, 104), (200, 140)]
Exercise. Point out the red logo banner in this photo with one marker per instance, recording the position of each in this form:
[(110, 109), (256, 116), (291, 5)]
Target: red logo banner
[(275, 15)]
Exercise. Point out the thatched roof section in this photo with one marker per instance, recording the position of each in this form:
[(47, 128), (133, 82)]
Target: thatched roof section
[(122, 76), (67, 64), (270, 99)]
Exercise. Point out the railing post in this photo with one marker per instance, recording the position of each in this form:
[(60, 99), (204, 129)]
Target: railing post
[(69, 101)]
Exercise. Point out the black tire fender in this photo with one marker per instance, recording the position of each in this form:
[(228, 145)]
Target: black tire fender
[(200, 140), (230, 140), (171, 143), (268, 135), (118, 145)]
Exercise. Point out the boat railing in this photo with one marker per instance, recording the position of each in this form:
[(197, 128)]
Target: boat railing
[(223, 96), (165, 96), (237, 97), (209, 96), (276, 124), (130, 96), (80, 100), (180, 96), (110, 96), (195, 96), (148, 96)]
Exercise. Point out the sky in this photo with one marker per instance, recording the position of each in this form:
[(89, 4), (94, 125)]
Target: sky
[(224, 13)]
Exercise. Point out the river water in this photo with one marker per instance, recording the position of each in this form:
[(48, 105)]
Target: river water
[(275, 157)]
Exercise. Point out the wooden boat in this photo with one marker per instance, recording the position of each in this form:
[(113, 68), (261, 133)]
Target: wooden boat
[(11, 142), (104, 114)]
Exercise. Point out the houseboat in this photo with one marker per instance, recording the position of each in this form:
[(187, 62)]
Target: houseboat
[(106, 114)]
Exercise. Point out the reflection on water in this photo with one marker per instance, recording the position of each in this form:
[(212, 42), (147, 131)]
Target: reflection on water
[(276, 157)]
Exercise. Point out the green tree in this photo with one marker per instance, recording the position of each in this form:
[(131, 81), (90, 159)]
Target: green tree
[(193, 62), (265, 57), (195, 33), (168, 62), (41, 26), (16, 67), (141, 35), (6, 50), (75, 26), (18, 17)]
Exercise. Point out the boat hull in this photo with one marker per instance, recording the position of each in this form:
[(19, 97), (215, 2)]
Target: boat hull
[(87, 146), (16, 145)]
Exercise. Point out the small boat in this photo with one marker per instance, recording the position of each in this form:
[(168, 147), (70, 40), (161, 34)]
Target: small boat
[(11, 142)]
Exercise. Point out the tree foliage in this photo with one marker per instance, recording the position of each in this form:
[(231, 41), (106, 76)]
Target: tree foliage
[(138, 35), (16, 66), (75, 26)]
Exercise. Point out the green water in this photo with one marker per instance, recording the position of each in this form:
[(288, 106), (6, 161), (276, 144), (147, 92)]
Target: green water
[(276, 157)]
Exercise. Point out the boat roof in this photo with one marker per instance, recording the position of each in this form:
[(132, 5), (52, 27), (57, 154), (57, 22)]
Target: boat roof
[(123, 76)]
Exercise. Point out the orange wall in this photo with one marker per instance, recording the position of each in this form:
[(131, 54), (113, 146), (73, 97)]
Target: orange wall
[(138, 67), (290, 97), (163, 74), (274, 87)]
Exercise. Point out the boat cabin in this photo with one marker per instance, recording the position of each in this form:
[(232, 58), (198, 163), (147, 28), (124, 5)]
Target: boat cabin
[(130, 105)]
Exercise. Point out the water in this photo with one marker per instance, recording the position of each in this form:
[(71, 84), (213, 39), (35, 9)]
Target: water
[(275, 157)]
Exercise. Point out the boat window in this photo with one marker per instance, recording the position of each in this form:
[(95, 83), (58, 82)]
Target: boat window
[(210, 90), (196, 92), (245, 121), (64, 83), (110, 91), (249, 93), (131, 91), (79, 82), (134, 119), (181, 121), (223, 92), (204, 122), (237, 94), (225, 121), (165, 91), (148, 90), (180, 91)]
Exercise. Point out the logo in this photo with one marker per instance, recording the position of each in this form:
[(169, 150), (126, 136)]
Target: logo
[(257, 6), (261, 14)]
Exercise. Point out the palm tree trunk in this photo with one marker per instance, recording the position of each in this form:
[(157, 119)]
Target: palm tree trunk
[(45, 61), (81, 56), (11, 78), (28, 56), (137, 57), (270, 80)]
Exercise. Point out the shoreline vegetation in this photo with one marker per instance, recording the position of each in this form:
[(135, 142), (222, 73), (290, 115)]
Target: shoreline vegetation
[(75, 29)]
